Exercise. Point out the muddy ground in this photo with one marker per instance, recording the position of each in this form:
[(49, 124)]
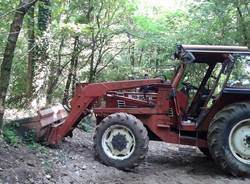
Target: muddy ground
[(73, 162)]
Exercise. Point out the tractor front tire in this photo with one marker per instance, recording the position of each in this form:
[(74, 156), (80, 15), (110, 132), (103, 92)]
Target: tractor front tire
[(120, 141), (229, 139)]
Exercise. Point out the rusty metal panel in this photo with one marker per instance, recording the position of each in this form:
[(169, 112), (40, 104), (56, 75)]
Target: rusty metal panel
[(41, 123), (52, 115)]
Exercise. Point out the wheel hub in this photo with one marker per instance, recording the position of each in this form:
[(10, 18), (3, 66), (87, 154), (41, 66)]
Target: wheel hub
[(239, 141), (248, 141), (119, 142)]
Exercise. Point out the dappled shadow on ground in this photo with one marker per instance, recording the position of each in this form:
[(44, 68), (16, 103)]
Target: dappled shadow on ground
[(194, 163), (73, 162), (164, 163)]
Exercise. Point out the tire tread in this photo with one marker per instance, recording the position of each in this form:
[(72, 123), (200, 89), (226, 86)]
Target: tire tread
[(216, 128)]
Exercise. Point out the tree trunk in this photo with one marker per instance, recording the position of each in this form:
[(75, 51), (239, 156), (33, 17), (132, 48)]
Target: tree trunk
[(55, 72), (243, 27), (44, 15), (44, 19), (6, 65), (92, 59), (73, 64), (140, 58), (74, 73), (32, 52), (50, 85), (131, 51)]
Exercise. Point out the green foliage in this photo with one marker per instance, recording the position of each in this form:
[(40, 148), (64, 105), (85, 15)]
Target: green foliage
[(87, 124), (18, 85), (117, 40), (28, 137), (37, 147), (13, 134), (10, 134), (44, 15), (241, 71)]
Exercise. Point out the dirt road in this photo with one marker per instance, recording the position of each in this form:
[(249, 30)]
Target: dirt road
[(73, 162)]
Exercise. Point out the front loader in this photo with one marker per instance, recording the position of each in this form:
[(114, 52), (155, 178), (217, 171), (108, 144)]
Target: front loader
[(129, 113)]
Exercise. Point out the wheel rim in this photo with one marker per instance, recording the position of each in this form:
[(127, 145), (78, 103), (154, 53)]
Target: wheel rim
[(239, 141), (118, 142)]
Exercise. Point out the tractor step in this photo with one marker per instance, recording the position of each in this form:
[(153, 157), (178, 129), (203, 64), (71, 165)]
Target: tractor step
[(161, 125)]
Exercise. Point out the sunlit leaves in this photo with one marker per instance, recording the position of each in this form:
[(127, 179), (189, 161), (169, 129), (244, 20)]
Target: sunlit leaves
[(126, 41)]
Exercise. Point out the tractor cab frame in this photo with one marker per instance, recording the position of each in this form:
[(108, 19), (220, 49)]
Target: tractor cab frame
[(220, 61)]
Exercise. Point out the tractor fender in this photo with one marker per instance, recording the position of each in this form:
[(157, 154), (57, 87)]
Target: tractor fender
[(228, 96)]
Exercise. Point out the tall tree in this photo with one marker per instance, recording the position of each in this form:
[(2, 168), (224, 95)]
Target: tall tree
[(21, 10), (243, 25), (44, 20), (55, 72), (72, 70), (31, 51)]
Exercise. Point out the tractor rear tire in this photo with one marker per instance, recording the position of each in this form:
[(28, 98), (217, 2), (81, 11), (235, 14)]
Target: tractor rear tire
[(120, 141), (229, 139)]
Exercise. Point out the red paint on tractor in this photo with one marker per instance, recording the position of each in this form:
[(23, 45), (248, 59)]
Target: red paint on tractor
[(160, 105)]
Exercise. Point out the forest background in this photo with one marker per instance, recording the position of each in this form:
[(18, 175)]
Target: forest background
[(47, 46)]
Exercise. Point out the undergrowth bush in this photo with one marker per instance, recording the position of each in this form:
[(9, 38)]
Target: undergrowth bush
[(87, 124), (13, 134), (10, 134)]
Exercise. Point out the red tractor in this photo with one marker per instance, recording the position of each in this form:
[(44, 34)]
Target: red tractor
[(211, 116)]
